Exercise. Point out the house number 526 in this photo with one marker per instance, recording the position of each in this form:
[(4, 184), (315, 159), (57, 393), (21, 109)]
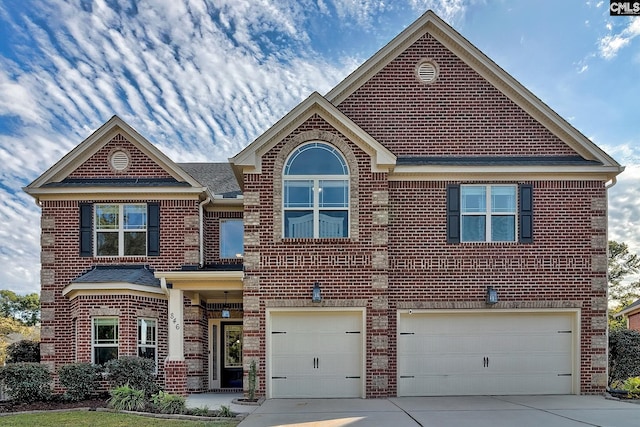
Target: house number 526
[(174, 320)]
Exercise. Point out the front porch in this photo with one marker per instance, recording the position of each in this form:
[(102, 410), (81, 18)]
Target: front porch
[(205, 331)]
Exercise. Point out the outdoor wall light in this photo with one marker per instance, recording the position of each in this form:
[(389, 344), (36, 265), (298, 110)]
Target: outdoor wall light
[(492, 295), (316, 296)]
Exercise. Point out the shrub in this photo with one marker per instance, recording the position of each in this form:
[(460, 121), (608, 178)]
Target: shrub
[(26, 382), (166, 403), (79, 379), (253, 374), (125, 398), (136, 372), (225, 412), (624, 355), (23, 351), (632, 387)]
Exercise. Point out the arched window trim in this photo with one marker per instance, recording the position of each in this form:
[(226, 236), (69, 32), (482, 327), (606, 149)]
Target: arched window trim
[(325, 224)]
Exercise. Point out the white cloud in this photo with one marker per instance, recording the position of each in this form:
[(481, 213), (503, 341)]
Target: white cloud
[(610, 45)]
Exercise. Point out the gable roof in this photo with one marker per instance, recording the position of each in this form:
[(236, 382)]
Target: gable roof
[(248, 160), (54, 180), (489, 70), (630, 310)]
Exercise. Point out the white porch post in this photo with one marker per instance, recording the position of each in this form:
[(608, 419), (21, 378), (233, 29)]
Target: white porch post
[(176, 325)]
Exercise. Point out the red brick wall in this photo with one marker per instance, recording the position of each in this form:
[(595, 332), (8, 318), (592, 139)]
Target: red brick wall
[(287, 269), (459, 114), (556, 271), (61, 264), (140, 165)]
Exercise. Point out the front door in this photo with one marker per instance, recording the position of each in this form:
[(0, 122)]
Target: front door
[(225, 350), (231, 355)]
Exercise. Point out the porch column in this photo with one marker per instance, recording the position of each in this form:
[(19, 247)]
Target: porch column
[(175, 367), (176, 325)]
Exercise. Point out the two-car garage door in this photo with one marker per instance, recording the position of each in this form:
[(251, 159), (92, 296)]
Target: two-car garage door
[(482, 353)]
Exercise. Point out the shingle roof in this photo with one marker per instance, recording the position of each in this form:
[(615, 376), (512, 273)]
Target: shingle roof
[(497, 161), (134, 274), (218, 177)]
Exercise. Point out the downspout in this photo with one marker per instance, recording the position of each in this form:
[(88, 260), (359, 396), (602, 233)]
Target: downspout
[(201, 213), (163, 286), (613, 182)]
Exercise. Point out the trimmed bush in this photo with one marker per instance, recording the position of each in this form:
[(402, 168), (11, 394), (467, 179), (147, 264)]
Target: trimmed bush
[(166, 403), (79, 379), (27, 382), (125, 398), (137, 372), (624, 355), (23, 351)]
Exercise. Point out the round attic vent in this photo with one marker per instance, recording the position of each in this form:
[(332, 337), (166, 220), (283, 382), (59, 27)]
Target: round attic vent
[(119, 160), (427, 72)]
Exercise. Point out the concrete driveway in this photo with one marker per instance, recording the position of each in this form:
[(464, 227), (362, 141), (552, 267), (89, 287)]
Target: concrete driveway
[(476, 411)]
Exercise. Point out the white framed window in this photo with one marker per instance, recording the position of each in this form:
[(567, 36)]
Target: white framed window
[(231, 238), (316, 193), (148, 340), (488, 213), (120, 230), (104, 339)]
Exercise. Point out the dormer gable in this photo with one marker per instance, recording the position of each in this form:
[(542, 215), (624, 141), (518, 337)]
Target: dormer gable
[(115, 159)]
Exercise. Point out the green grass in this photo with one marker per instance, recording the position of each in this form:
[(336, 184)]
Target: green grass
[(100, 419)]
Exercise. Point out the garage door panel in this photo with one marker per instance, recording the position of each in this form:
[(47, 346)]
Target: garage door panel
[(316, 354), (485, 353)]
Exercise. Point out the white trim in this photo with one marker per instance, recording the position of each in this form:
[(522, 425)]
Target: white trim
[(269, 351), (111, 288), (576, 316), (108, 345), (155, 339), (249, 160)]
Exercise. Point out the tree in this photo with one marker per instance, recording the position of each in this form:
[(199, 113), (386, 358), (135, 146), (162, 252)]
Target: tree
[(25, 309), (621, 264)]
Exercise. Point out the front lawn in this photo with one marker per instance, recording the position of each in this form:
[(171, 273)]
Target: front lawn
[(100, 419)]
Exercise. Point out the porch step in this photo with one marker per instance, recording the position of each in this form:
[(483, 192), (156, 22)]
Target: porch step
[(225, 390)]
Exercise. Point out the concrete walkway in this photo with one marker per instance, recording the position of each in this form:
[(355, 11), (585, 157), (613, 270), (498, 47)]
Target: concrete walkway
[(477, 411), (213, 401)]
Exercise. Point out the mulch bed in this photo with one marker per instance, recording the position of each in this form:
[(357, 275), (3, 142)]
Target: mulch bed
[(56, 402)]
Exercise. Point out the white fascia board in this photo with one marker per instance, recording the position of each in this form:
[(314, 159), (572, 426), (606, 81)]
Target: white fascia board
[(447, 173), (95, 193), (75, 289), (249, 159)]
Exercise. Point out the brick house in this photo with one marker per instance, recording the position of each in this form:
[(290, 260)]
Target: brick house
[(428, 227), (632, 314)]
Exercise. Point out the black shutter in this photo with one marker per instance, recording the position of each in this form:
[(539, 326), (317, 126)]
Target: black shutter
[(526, 213), (453, 214), (153, 229), (86, 229)]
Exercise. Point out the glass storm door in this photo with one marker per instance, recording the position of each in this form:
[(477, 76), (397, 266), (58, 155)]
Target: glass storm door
[(231, 355)]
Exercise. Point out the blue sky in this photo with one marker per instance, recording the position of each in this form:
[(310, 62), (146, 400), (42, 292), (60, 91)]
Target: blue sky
[(202, 78)]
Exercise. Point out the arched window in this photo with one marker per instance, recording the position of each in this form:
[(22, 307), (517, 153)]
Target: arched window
[(316, 193)]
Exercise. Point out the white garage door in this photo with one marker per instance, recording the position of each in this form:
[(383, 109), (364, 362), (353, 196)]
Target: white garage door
[(485, 353), (316, 354)]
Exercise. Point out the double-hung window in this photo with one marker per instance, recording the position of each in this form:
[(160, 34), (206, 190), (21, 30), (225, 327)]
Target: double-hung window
[(488, 213), (316, 193), (105, 339), (121, 229), (148, 340)]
